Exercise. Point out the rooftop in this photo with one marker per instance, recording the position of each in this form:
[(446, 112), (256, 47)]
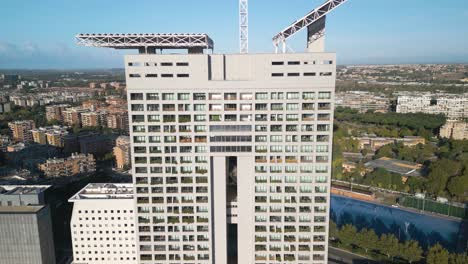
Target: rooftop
[(99, 191), (21, 209), (402, 167), (22, 189), (146, 43)]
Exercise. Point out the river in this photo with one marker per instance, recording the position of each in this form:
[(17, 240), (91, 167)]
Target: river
[(426, 229)]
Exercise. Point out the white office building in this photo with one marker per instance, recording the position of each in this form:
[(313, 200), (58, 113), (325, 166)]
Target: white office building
[(103, 225)]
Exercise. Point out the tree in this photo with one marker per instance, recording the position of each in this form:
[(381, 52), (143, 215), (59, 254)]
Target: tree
[(440, 172), (333, 229), (458, 185), (458, 259), (367, 239), (437, 255), (347, 234), (389, 245), (411, 251)]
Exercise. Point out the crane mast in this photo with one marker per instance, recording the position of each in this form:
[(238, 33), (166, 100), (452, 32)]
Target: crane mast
[(244, 26)]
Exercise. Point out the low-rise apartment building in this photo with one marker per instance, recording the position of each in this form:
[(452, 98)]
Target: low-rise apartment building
[(55, 112), (450, 105), (74, 165), (21, 130), (52, 135), (363, 101)]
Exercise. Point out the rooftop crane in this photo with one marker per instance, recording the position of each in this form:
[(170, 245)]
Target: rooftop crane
[(315, 23), (244, 26)]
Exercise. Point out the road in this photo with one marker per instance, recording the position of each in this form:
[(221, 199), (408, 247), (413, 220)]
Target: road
[(339, 256)]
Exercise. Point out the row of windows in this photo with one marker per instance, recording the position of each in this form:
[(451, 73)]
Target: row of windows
[(231, 96), (229, 107), (320, 62), (297, 74), (154, 64), (162, 75), (104, 211)]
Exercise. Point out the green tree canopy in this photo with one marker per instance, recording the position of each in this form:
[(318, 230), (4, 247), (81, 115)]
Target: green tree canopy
[(367, 239), (437, 255), (389, 245), (411, 251)]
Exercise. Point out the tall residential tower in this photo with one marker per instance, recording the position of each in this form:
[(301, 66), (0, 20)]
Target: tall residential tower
[(231, 153)]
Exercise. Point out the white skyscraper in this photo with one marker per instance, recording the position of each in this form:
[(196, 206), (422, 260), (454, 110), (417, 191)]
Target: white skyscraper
[(231, 153), (231, 156)]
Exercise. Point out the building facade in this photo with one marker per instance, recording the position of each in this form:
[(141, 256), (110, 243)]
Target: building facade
[(450, 105), (122, 152), (231, 156), (21, 130), (25, 226), (103, 225), (74, 165), (55, 112), (457, 130)]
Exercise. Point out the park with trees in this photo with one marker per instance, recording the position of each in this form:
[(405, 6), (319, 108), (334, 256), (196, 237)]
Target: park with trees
[(445, 161), (386, 248)]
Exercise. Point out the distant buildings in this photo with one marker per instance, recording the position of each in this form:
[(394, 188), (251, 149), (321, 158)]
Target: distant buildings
[(5, 107), (55, 112), (457, 130), (21, 130), (103, 224), (25, 226), (363, 101), (52, 135), (450, 105), (74, 165), (122, 152), (72, 116), (375, 143)]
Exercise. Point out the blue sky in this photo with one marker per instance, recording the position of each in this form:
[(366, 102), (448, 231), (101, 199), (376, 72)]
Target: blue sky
[(40, 34)]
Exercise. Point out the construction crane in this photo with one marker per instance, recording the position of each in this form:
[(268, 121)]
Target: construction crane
[(244, 26), (315, 23)]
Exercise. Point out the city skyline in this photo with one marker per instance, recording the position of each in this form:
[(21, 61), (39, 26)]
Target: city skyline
[(387, 33)]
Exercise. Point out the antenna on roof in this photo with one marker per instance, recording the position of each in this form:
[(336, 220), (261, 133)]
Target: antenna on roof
[(244, 26)]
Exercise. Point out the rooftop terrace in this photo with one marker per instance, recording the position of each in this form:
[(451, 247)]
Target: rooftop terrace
[(98, 191)]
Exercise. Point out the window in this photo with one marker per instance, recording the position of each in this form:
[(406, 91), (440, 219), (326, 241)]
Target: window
[(183, 75), (261, 96), (310, 74), (308, 95), (324, 95), (294, 62), (292, 96), (152, 96), (166, 64), (167, 75), (277, 74), (293, 74), (182, 64), (277, 63), (183, 96), (136, 96), (134, 75), (151, 75)]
